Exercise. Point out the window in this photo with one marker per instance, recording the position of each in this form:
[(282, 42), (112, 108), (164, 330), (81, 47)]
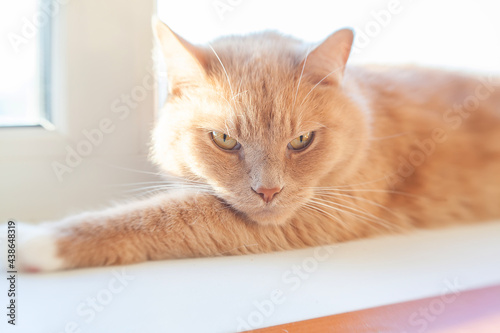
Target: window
[(98, 83), (24, 62)]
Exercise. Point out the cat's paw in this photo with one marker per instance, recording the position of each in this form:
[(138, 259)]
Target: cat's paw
[(36, 249)]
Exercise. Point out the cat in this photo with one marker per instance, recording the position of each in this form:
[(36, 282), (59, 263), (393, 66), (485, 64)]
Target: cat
[(277, 145)]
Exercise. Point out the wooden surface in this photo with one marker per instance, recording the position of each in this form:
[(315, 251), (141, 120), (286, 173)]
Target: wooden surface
[(468, 311)]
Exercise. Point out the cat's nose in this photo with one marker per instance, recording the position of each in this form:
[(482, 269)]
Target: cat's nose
[(267, 194)]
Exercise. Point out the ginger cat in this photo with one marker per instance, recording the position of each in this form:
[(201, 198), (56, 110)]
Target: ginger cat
[(280, 146)]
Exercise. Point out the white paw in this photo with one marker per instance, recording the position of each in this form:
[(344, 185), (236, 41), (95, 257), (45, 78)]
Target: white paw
[(36, 248)]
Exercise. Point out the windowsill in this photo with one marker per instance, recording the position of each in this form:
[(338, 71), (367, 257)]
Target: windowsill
[(31, 141), (214, 294)]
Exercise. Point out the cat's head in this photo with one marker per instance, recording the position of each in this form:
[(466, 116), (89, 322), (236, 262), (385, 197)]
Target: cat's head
[(261, 118)]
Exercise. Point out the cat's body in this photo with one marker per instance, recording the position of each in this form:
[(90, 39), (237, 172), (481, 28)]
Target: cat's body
[(388, 153), (435, 142)]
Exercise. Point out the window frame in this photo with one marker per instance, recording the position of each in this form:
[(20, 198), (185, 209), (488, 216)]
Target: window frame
[(45, 70), (35, 148)]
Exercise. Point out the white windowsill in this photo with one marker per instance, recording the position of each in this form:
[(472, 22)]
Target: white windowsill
[(209, 295)]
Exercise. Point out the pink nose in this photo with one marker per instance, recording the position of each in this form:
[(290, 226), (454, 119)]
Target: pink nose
[(267, 194)]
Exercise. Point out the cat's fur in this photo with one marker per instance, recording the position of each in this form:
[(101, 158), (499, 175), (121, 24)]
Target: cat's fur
[(394, 149)]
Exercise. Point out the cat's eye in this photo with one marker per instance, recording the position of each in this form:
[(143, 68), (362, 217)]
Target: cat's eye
[(224, 141), (301, 142)]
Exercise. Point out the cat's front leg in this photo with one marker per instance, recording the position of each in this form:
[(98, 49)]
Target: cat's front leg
[(164, 227)]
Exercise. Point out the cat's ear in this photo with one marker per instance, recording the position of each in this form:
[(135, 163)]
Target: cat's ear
[(325, 64), (185, 62)]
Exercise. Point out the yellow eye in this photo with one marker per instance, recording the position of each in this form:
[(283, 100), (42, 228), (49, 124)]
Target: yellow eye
[(224, 141), (301, 142)]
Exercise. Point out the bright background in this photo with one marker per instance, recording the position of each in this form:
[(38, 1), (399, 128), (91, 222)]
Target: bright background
[(455, 34), (461, 35)]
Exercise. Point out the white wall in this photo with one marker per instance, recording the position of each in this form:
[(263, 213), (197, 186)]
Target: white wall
[(460, 34)]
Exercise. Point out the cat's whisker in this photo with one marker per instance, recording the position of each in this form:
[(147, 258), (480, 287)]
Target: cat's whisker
[(183, 179), (239, 89), (162, 182), (224, 69), (362, 218), (328, 205), (148, 194), (365, 212), (349, 186), (336, 195), (141, 183), (358, 210), (317, 84), (164, 178), (170, 187), (160, 191), (189, 182), (225, 99), (157, 191), (158, 173), (300, 79), (377, 191), (314, 208), (240, 93)]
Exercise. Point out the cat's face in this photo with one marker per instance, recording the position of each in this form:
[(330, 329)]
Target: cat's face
[(262, 129)]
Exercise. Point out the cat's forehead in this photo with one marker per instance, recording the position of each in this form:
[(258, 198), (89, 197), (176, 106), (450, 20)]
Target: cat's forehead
[(254, 117), (264, 64), (256, 79)]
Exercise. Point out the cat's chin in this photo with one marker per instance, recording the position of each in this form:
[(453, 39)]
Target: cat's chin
[(271, 217)]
